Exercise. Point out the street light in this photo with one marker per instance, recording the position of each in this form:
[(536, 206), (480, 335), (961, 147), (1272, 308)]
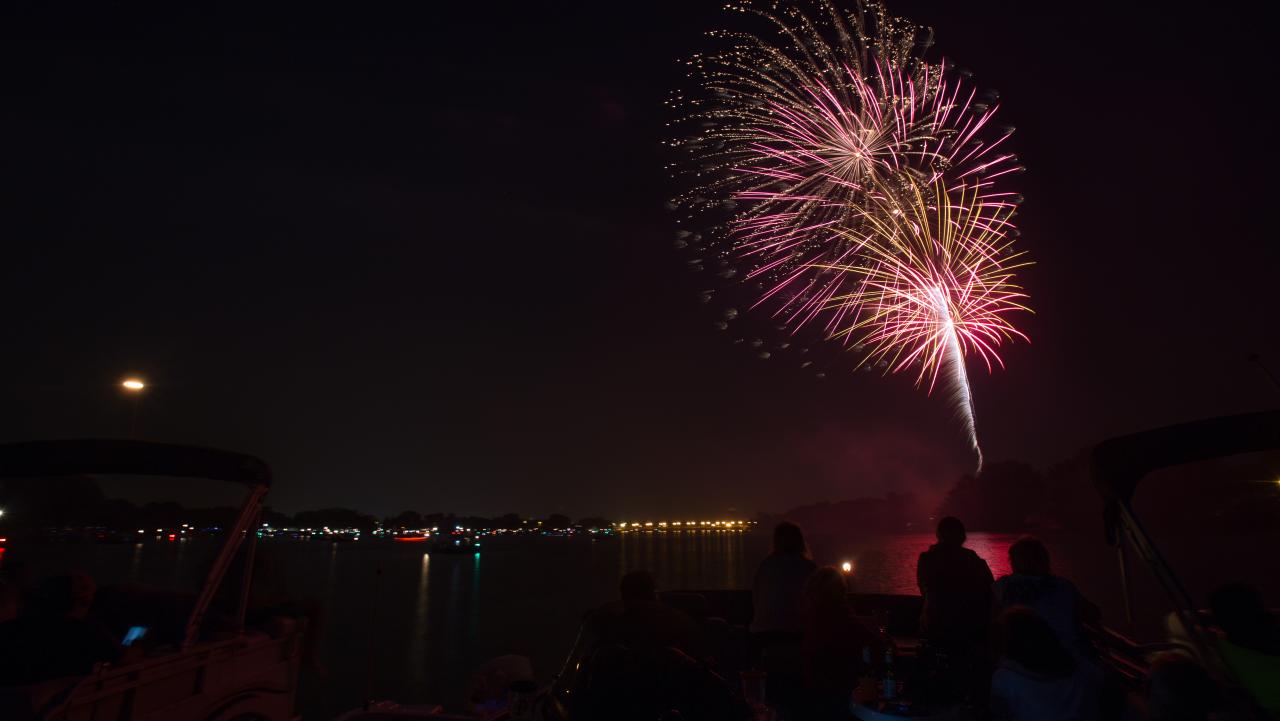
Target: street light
[(134, 387)]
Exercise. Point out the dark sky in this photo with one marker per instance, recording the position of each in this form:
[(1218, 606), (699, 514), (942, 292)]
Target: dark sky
[(420, 258)]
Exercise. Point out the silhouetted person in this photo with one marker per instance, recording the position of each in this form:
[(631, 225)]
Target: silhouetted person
[(1037, 679), (1251, 643), (53, 639), (956, 585), (640, 620), (1179, 689), (779, 582), (1032, 584), (637, 663), (832, 646)]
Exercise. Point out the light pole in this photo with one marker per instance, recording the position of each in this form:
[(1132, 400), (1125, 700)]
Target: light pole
[(134, 387)]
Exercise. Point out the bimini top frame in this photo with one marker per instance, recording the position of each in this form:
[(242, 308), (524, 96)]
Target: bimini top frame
[(88, 457)]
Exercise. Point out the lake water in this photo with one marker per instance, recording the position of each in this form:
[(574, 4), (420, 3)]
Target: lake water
[(432, 619)]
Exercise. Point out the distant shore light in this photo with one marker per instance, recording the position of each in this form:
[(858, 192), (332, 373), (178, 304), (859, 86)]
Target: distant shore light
[(133, 384)]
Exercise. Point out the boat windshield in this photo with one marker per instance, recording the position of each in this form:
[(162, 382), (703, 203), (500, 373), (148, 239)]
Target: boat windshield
[(146, 542), (1215, 522)]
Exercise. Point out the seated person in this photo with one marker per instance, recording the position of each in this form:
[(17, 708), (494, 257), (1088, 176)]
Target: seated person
[(636, 663), (1037, 679), (833, 645), (1250, 642), (54, 639), (1032, 584), (493, 684), (956, 585), (640, 620), (629, 684), (1179, 689)]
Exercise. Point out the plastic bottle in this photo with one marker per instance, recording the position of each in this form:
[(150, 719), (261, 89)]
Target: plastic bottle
[(890, 682)]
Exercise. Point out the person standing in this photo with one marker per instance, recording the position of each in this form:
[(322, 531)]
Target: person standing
[(956, 585), (779, 584)]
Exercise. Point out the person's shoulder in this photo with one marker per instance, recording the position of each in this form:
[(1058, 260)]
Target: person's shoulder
[(1004, 680), (674, 615), (1064, 584), (972, 557), (605, 614)]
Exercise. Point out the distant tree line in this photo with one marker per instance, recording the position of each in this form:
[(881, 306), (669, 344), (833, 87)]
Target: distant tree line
[(1006, 496), (78, 501), (1230, 496)]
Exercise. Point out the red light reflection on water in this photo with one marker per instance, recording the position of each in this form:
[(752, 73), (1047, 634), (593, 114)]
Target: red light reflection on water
[(994, 549), (887, 564)]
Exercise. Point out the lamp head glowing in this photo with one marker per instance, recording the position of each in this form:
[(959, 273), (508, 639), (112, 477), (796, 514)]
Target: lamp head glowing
[(133, 384), (846, 567)]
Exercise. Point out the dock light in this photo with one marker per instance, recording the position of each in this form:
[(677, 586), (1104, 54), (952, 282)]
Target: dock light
[(846, 567), (133, 384)]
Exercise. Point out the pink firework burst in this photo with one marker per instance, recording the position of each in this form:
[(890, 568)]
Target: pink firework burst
[(794, 132), (858, 187)]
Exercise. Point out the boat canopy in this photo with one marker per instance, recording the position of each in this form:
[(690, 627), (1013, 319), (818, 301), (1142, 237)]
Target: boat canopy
[(77, 457), (1120, 463)]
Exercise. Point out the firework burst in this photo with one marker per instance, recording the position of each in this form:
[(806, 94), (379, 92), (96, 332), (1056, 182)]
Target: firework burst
[(857, 186), (795, 127)]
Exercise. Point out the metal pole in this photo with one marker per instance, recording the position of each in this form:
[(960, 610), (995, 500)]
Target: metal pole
[(368, 663), (222, 562), (1275, 382), (1124, 584), (249, 548), (133, 419)]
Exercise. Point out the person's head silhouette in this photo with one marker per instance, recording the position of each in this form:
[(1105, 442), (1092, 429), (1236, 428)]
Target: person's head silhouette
[(951, 531), (788, 540), (1028, 556), (638, 586)]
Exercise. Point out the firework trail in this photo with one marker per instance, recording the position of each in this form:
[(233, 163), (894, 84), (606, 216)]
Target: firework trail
[(933, 283), (857, 186)]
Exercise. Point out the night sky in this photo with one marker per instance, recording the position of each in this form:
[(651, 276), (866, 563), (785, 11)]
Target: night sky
[(421, 259)]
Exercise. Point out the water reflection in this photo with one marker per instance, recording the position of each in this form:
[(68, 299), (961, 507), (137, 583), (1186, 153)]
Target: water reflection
[(418, 629), (135, 565)]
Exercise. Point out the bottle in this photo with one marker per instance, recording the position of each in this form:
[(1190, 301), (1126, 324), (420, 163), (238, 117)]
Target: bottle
[(890, 682), (865, 692)]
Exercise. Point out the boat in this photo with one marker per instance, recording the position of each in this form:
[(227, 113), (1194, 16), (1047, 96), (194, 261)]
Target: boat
[(1117, 467), (236, 673)]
